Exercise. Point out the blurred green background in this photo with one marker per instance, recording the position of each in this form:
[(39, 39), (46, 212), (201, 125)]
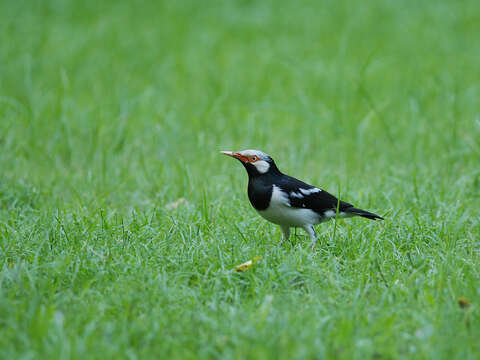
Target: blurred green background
[(110, 110)]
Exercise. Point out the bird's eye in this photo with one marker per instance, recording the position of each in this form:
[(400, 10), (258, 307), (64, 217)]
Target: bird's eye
[(254, 158)]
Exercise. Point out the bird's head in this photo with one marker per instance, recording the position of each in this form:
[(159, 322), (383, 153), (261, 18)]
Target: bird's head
[(256, 162)]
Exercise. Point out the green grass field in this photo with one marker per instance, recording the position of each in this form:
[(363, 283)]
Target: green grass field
[(111, 110)]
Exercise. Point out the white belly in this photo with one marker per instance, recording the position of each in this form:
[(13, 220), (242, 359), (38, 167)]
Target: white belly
[(280, 212), (288, 216)]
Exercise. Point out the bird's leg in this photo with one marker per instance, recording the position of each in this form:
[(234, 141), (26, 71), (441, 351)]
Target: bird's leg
[(311, 233), (285, 234), (295, 234)]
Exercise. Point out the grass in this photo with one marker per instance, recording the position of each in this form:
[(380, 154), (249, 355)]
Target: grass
[(109, 111)]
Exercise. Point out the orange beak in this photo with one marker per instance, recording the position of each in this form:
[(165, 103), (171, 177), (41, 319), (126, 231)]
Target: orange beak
[(235, 155)]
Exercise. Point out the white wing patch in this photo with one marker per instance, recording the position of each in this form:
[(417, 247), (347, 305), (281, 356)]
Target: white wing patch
[(279, 197), (296, 195), (310, 191)]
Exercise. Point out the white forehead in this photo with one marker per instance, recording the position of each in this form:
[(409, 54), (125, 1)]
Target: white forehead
[(252, 152)]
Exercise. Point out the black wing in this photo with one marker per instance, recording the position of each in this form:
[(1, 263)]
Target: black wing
[(303, 195)]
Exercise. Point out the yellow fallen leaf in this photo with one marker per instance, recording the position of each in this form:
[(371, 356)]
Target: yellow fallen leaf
[(247, 265), (463, 303)]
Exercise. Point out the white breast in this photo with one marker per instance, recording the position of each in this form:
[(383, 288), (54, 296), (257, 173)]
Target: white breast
[(280, 212)]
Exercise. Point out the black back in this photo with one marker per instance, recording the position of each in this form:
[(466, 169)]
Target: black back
[(260, 188), (319, 202)]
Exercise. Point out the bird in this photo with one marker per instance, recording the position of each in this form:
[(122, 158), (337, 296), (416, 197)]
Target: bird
[(287, 201)]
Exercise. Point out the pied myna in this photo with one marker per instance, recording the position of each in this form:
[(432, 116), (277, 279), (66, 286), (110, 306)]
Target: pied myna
[(288, 202)]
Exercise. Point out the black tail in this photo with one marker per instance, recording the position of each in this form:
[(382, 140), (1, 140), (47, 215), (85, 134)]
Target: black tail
[(363, 213)]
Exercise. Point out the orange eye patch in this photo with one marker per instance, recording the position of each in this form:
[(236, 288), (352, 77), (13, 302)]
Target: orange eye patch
[(253, 158)]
